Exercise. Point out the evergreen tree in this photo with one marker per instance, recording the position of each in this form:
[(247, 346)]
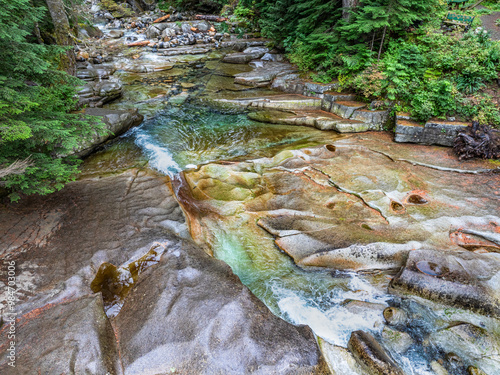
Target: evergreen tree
[(35, 99), (380, 17)]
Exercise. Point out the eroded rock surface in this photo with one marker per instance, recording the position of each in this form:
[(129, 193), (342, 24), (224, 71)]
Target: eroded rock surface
[(70, 337), (348, 206), (188, 311), (460, 279), (191, 314)]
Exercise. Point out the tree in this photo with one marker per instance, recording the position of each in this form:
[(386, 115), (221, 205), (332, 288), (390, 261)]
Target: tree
[(35, 100), (348, 5), (62, 34), (377, 17)]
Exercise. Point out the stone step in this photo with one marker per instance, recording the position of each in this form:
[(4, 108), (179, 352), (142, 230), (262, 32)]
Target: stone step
[(434, 131), (346, 108), (314, 118), (329, 97), (376, 119), (287, 102)]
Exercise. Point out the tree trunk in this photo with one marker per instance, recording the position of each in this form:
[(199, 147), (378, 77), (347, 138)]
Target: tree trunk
[(62, 34), (347, 5), (381, 43)]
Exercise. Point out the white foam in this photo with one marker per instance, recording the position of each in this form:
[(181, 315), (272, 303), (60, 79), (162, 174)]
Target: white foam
[(333, 322), (160, 158)]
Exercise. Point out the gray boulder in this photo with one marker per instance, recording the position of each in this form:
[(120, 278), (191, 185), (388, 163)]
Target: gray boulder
[(73, 337), (191, 315), (117, 122), (460, 279)]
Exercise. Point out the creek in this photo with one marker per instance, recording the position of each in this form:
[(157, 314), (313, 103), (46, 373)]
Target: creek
[(183, 136)]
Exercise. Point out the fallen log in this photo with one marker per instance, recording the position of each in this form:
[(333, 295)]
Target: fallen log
[(139, 44), (477, 141), (161, 19), (212, 18)]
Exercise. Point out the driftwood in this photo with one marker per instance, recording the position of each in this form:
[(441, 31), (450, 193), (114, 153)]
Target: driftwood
[(477, 141), (210, 18), (139, 44), (161, 19)]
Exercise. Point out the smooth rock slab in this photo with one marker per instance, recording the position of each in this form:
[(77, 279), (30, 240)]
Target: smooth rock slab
[(264, 73), (286, 102), (59, 241), (73, 337), (241, 57), (191, 315), (314, 118)]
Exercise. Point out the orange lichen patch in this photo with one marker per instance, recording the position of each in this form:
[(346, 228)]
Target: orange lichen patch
[(161, 19), (457, 123), (36, 313), (139, 44), (350, 103), (410, 123), (471, 242)]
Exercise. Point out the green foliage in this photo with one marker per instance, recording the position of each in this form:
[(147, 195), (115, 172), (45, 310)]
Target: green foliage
[(469, 84), (117, 10), (427, 71), (204, 6), (35, 99)]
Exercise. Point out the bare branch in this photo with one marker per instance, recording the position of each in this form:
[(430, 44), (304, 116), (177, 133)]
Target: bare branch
[(18, 167)]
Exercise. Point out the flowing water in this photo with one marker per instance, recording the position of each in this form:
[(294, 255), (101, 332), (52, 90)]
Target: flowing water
[(186, 136)]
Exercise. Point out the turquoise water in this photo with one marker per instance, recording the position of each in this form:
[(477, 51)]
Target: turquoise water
[(184, 137)]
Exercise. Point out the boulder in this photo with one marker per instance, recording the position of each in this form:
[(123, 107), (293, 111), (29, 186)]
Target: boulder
[(98, 93), (241, 58), (117, 122), (72, 337), (263, 74), (116, 34), (371, 356), (473, 344), (396, 341), (191, 315), (157, 29), (460, 279), (339, 360)]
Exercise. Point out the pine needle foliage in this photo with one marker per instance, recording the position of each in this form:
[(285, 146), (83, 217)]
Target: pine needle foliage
[(35, 101)]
